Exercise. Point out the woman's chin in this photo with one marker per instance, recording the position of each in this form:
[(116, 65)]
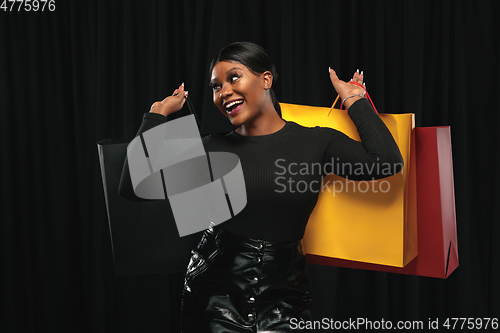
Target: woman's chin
[(235, 121)]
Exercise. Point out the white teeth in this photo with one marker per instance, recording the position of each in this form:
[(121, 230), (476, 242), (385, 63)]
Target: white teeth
[(230, 105)]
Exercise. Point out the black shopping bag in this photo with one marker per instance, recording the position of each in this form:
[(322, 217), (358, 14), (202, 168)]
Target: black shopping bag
[(144, 235)]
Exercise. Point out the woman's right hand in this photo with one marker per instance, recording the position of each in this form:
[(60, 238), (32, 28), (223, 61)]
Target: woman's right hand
[(171, 104)]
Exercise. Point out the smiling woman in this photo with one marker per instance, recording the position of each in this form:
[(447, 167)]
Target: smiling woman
[(242, 82), (247, 274)]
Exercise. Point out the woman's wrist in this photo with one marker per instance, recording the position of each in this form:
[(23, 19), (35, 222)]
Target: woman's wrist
[(160, 112), (156, 116), (350, 100)]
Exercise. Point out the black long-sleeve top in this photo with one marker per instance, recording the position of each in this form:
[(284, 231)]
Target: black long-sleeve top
[(283, 170)]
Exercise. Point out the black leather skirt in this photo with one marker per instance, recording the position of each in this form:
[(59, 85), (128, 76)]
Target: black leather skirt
[(236, 284)]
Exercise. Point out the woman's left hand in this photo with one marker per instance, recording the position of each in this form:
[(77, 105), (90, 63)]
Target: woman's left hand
[(345, 89)]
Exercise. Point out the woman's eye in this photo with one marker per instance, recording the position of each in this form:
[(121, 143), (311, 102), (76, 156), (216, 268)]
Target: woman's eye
[(215, 87), (234, 78)]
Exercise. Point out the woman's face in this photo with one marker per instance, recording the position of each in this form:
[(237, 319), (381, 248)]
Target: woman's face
[(238, 93)]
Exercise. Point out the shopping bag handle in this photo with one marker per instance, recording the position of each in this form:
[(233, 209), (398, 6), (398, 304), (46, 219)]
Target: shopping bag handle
[(366, 94)]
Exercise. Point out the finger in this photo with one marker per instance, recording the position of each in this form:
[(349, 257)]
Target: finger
[(181, 96), (181, 87), (355, 76), (176, 92), (333, 75), (337, 83), (361, 77), (185, 95)]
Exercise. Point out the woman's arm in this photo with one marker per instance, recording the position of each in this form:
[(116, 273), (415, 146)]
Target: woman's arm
[(377, 155), (156, 116)]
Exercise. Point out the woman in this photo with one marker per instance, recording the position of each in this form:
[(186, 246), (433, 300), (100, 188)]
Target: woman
[(247, 274)]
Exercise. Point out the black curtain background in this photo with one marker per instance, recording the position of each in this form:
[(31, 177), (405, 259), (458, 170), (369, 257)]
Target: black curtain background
[(91, 69)]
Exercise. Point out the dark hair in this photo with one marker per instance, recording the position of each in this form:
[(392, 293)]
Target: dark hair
[(254, 58)]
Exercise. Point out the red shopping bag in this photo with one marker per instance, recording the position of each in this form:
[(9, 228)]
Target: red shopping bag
[(436, 220)]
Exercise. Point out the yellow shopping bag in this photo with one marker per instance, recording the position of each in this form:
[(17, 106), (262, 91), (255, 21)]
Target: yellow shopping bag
[(366, 221)]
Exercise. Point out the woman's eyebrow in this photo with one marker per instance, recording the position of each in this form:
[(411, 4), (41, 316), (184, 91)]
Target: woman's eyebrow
[(229, 72), (214, 81)]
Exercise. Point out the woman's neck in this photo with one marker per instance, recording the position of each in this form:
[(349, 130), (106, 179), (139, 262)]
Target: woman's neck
[(265, 125)]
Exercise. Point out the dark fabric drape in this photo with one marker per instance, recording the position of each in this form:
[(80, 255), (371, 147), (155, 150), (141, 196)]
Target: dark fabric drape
[(90, 69)]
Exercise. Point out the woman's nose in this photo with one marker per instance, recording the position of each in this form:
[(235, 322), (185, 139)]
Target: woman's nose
[(226, 91)]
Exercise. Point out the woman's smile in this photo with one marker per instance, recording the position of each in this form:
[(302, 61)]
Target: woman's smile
[(233, 106)]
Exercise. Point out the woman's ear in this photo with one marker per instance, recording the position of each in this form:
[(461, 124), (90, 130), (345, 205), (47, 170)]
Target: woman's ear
[(267, 79)]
